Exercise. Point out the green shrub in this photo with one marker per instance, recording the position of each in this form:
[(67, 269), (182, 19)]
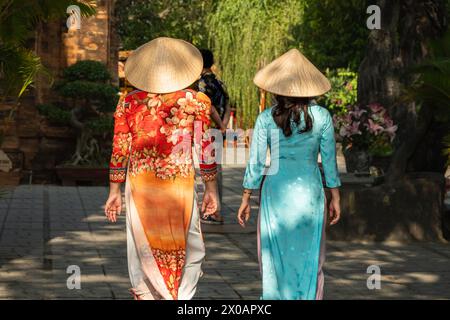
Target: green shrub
[(101, 125), (104, 95), (88, 70), (343, 93), (55, 115)]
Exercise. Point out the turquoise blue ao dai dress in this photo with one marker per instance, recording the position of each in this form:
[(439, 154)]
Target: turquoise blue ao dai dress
[(292, 204)]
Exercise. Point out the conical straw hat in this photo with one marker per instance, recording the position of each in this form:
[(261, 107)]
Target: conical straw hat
[(164, 65), (292, 75)]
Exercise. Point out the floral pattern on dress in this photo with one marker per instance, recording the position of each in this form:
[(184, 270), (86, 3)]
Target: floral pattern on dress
[(170, 264), (155, 133)]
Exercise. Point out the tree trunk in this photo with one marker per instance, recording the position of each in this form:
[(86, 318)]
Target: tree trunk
[(406, 28)]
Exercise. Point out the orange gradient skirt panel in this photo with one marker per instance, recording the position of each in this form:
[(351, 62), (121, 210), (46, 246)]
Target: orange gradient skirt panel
[(165, 208)]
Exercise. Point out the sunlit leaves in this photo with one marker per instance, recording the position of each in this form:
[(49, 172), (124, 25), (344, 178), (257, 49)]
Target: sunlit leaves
[(140, 21), (246, 35)]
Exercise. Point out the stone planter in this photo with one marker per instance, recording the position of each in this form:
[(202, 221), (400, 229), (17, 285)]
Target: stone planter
[(357, 160), (83, 176)]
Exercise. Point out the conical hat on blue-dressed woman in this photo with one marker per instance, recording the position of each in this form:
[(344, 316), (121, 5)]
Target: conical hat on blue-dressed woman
[(292, 75)]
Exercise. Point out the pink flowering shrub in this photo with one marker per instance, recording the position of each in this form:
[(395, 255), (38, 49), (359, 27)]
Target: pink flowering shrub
[(366, 128)]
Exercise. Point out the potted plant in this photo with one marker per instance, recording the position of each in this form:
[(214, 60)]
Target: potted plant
[(88, 102), (366, 133)]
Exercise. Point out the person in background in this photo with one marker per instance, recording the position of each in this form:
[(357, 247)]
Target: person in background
[(216, 90)]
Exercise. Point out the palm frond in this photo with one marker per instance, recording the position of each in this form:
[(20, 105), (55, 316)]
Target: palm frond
[(439, 65), (29, 69), (18, 68), (432, 85)]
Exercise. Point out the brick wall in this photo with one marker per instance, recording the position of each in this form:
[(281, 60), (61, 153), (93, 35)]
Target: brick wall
[(41, 146), (59, 47)]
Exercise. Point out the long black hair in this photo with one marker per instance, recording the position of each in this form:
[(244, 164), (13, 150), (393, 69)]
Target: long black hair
[(288, 109)]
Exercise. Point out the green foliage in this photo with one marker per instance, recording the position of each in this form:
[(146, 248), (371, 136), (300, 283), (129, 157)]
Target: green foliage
[(343, 93), (18, 67), (18, 18), (87, 82), (101, 125), (381, 147), (333, 34), (433, 83), (434, 87), (56, 116), (246, 35), (104, 95), (88, 70), (140, 21)]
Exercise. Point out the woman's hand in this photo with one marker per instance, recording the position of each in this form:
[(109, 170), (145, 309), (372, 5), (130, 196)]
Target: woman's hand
[(113, 206), (334, 209), (244, 213), (210, 203), (245, 208)]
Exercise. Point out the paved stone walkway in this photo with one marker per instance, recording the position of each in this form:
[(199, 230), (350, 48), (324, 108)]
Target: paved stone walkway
[(45, 229)]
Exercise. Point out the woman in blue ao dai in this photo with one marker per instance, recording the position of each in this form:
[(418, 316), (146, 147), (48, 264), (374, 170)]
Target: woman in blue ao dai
[(293, 209)]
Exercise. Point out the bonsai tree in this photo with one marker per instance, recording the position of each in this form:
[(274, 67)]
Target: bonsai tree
[(89, 100)]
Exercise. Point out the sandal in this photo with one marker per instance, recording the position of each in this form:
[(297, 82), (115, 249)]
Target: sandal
[(211, 220)]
